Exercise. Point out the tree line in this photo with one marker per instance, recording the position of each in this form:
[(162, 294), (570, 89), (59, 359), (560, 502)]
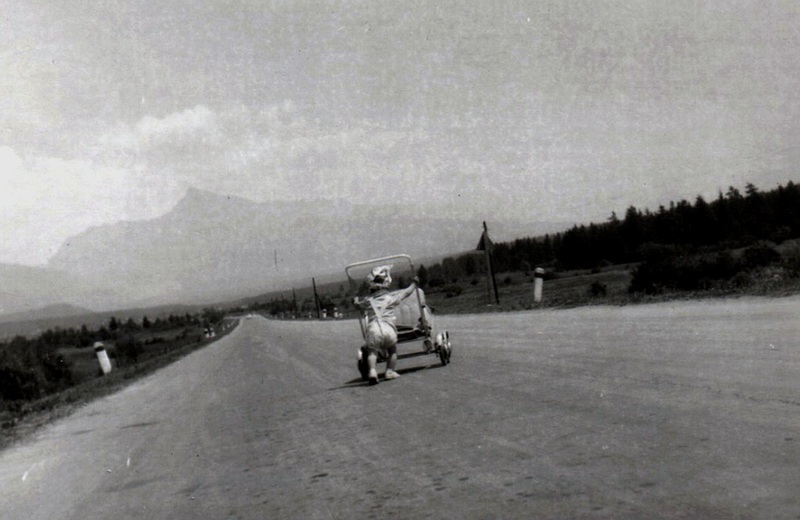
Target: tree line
[(683, 245), (732, 220)]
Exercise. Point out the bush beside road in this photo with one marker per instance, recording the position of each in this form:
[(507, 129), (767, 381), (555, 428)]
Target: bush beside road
[(46, 377)]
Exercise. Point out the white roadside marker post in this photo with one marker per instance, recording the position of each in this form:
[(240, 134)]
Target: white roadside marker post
[(102, 357), (538, 282)]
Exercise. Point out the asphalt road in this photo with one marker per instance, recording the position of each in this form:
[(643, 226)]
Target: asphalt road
[(685, 410)]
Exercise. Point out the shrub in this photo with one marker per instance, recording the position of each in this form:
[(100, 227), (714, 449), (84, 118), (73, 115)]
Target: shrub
[(759, 255), (56, 372), (598, 289), (681, 271), (781, 234), (724, 266), (791, 261), (741, 279), (649, 276), (435, 282), (452, 291), (19, 384), (129, 349)]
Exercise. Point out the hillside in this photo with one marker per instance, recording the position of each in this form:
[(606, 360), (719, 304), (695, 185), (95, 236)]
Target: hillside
[(211, 248)]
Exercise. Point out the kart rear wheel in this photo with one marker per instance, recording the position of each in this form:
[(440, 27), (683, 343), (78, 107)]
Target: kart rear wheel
[(363, 368)]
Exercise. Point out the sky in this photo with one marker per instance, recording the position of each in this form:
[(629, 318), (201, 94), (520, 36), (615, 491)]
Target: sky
[(548, 111)]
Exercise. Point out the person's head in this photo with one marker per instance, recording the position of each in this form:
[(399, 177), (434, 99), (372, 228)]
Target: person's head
[(377, 284), (380, 278)]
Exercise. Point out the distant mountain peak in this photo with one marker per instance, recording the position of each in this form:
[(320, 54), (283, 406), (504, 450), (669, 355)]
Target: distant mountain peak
[(195, 196), (213, 246), (56, 310)]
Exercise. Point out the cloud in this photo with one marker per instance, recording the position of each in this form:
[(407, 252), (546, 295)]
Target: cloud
[(197, 122), (264, 152), (45, 200)]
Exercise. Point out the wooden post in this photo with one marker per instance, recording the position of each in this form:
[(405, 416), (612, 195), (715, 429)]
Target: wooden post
[(102, 357), (487, 246), (538, 282)]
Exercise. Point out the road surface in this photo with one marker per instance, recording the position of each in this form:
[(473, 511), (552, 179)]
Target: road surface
[(679, 410)]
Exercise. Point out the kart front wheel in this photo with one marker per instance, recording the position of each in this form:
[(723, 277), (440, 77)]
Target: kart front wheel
[(444, 355)]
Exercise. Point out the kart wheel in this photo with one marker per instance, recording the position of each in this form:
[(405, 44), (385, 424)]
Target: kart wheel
[(363, 368), (444, 355)]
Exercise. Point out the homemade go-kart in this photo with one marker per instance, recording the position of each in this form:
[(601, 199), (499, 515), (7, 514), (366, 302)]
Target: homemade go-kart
[(413, 318)]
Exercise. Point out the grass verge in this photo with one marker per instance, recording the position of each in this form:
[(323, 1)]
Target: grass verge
[(28, 417)]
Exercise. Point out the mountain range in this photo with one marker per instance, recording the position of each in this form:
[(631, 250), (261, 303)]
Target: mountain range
[(212, 248)]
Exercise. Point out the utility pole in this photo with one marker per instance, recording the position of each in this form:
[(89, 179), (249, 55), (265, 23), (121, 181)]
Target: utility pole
[(486, 245), (316, 297)]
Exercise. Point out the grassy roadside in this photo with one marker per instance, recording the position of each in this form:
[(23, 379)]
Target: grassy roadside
[(664, 274), (608, 286), (33, 415)]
